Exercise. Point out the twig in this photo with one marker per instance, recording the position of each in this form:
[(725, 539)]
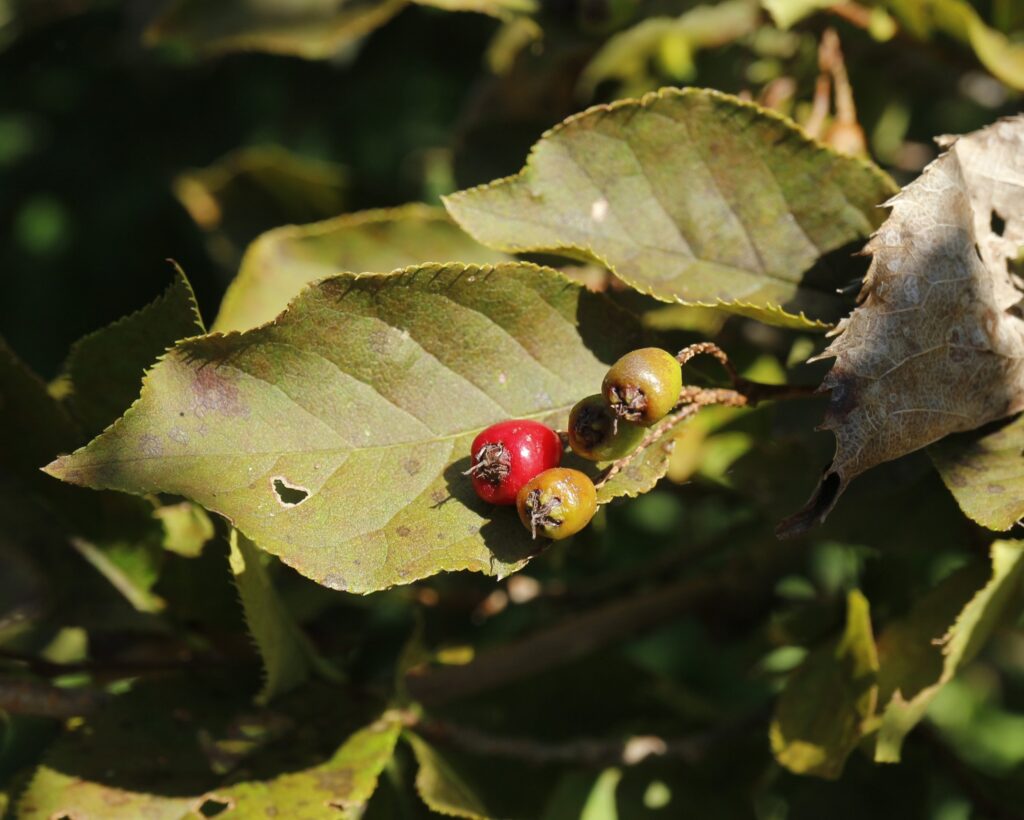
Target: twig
[(652, 436), (743, 393), (24, 696), (579, 635), (750, 392), (598, 752)]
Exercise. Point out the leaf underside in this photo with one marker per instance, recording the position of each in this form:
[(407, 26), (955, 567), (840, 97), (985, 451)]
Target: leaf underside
[(936, 345)]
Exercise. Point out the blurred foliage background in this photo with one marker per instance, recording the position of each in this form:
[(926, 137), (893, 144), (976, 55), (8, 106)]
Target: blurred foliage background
[(132, 133)]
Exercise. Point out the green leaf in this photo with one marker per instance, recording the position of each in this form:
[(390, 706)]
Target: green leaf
[(985, 472), (1004, 58), (787, 13), (961, 642), (691, 196), (288, 656), (312, 29), (337, 788), (600, 803), (440, 786), (820, 717), (502, 9), (670, 42), (252, 190), (336, 437), (281, 262), (105, 368), (187, 528)]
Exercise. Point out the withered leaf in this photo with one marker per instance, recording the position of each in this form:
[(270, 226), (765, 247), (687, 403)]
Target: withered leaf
[(936, 344)]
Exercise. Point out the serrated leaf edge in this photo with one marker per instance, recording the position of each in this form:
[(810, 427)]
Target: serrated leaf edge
[(790, 320)]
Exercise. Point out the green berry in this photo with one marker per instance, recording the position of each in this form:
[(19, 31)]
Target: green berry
[(595, 432), (557, 503), (643, 386)]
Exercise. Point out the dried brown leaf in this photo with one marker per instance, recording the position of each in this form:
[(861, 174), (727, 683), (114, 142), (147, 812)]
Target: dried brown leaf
[(936, 344)]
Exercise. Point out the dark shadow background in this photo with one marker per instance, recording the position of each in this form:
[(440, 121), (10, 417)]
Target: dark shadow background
[(93, 129)]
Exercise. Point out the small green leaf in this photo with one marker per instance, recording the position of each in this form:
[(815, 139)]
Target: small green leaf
[(502, 9), (281, 262), (440, 786), (960, 643), (313, 30), (339, 787), (187, 528), (787, 13), (820, 717), (600, 803), (337, 436), (1004, 58), (105, 368), (985, 472), (288, 656), (628, 55), (691, 196)]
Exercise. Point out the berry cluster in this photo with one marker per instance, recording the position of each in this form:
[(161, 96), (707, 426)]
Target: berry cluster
[(516, 462)]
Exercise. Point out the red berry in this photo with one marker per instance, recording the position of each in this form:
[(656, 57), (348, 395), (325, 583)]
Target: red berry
[(508, 454)]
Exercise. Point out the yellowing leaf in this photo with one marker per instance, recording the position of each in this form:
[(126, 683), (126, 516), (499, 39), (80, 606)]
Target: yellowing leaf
[(281, 262), (787, 13), (626, 56), (820, 717), (959, 19), (251, 190), (691, 196), (336, 437), (313, 29), (440, 786), (339, 787), (936, 345), (914, 686), (985, 473)]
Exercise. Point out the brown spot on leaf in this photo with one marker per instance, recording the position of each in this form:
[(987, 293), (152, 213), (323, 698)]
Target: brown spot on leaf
[(336, 781), (403, 531), (411, 466), (214, 391)]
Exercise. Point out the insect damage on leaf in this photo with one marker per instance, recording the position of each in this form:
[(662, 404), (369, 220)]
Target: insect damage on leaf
[(936, 344)]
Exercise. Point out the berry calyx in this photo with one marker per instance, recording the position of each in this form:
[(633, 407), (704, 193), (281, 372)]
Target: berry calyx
[(643, 386), (557, 503), (508, 454), (596, 433)]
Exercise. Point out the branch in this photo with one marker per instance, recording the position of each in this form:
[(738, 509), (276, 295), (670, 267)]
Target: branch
[(735, 586), (597, 752), (22, 696)]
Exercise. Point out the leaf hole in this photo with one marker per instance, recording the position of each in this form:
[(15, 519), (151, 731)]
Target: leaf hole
[(213, 806), (998, 224), (289, 495)]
